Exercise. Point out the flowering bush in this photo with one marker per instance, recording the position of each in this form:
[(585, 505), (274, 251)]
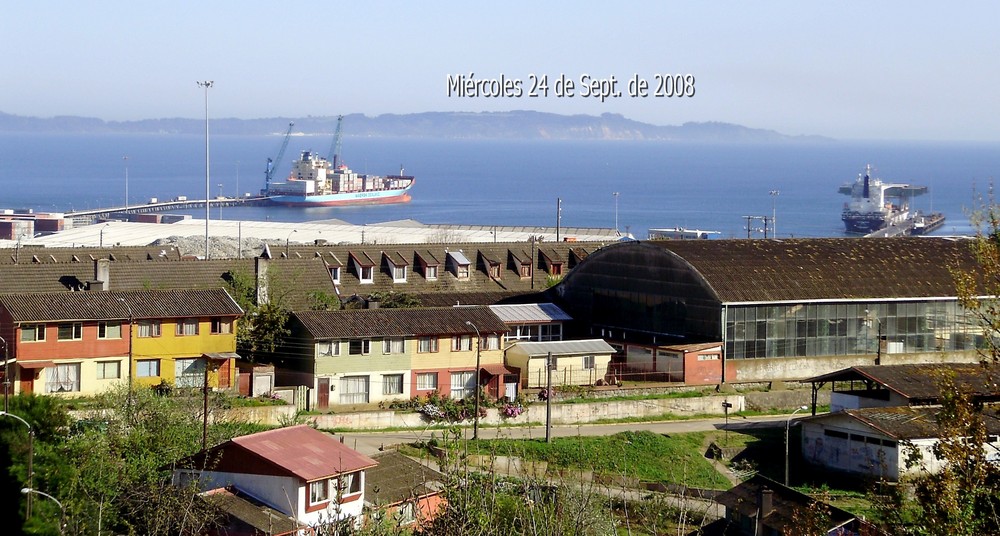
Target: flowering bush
[(511, 410), (449, 410)]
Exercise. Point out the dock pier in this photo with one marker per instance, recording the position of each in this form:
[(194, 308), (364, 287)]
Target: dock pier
[(91, 215)]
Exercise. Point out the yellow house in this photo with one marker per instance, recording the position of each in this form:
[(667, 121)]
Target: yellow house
[(175, 336)]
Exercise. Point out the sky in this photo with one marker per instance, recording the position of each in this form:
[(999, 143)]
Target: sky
[(894, 70)]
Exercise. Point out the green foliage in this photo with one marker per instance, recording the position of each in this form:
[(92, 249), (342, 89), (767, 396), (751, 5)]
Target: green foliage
[(263, 326), (394, 300), (321, 301)]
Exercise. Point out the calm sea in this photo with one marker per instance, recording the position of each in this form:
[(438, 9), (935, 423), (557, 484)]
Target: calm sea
[(489, 182)]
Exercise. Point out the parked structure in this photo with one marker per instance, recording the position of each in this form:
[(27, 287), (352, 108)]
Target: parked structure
[(583, 362), (298, 471), (80, 343), (782, 309)]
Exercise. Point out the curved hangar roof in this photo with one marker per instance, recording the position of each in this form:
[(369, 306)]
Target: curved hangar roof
[(753, 271)]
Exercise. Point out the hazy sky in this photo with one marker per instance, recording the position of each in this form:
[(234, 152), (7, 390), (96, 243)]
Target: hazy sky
[(891, 70)]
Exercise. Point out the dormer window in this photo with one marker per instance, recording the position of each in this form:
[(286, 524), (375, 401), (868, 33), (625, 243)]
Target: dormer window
[(364, 267), (399, 274), (525, 270), (397, 266), (458, 264), (431, 273), (335, 274)]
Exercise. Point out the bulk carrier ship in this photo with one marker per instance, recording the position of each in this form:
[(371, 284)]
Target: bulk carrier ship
[(877, 205)]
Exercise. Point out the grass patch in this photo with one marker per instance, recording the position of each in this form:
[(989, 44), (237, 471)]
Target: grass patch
[(676, 459)]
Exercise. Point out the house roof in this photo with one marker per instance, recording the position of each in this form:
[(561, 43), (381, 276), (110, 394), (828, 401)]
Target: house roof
[(786, 505), (398, 478), (245, 509), (302, 451), (693, 347), (906, 422), (385, 322), (819, 268), (118, 305), (30, 254), (920, 383), (588, 346), (530, 313)]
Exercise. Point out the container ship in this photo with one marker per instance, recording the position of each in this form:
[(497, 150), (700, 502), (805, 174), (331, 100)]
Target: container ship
[(877, 205), (320, 182)]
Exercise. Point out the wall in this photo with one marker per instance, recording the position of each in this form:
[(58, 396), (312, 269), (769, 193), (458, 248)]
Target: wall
[(792, 368)]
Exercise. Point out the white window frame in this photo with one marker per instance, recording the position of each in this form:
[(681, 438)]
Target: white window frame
[(492, 342), (398, 273), (105, 330), (63, 378), (349, 394), (144, 368), (319, 492), (328, 348), (366, 274), (393, 345), (427, 381), (589, 362), (462, 271), (37, 330), (221, 326), (366, 346), (463, 384), (431, 273), (461, 343), (102, 370), (192, 372), (335, 274), (76, 331), (392, 384), (350, 483)]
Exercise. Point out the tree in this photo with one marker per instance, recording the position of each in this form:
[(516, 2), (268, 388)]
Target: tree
[(264, 325)]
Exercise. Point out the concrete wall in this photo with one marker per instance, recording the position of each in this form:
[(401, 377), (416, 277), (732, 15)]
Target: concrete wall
[(795, 368)]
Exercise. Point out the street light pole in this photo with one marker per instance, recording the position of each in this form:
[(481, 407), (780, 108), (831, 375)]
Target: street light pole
[(287, 238), (616, 211), (125, 158), (475, 418), (206, 84), (62, 517), (774, 213), (787, 424), (31, 456)]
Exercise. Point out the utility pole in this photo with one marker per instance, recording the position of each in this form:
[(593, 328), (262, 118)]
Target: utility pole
[(549, 365), (206, 84)]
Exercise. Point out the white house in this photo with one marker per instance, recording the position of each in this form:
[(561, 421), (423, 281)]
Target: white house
[(878, 441), (582, 362), (297, 470)]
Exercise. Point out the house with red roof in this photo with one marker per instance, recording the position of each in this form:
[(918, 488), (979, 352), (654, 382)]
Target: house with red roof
[(299, 471)]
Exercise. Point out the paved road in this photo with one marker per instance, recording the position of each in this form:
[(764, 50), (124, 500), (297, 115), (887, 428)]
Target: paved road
[(371, 442)]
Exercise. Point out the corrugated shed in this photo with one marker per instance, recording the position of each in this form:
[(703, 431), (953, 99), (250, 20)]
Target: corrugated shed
[(118, 305), (921, 382), (365, 323), (909, 422), (588, 346)]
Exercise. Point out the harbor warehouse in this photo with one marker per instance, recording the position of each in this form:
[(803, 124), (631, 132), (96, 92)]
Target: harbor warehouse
[(782, 309)]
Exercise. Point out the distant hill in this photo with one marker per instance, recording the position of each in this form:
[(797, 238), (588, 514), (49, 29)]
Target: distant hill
[(482, 125)]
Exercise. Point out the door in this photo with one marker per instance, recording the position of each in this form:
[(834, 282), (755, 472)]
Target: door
[(323, 393), (510, 386)]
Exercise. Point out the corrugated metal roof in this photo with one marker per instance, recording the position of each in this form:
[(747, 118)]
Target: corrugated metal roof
[(907, 422), (588, 346), (304, 452), (530, 313), (921, 382), (384, 322), (118, 305)]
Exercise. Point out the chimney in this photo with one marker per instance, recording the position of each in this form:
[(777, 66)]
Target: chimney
[(102, 275), (765, 503), (261, 264)]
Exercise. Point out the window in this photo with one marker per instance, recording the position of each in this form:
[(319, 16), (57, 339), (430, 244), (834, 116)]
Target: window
[(491, 342), (494, 271), (70, 331), (462, 384), (189, 372), (525, 270), (335, 274), (366, 274), (329, 348), (407, 513), (392, 346), (588, 362), (550, 332), (109, 330), (359, 346), (708, 357), (392, 384), (427, 380), (431, 273), (220, 326), (147, 368), (108, 370), (350, 483), (461, 343), (63, 378), (354, 390), (427, 344), (462, 271), (398, 274), (149, 328), (32, 332), (318, 492), (187, 326)]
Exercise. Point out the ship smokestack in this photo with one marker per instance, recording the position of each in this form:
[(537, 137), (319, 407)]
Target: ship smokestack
[(866, 194)]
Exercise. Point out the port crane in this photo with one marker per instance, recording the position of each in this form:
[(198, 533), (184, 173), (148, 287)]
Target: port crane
[(271, 164), (335, 146)]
